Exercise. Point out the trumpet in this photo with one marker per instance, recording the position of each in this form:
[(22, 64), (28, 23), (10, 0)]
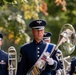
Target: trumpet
[(12, 60)]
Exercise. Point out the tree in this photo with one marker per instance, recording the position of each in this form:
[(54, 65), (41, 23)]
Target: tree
[(55, 12)]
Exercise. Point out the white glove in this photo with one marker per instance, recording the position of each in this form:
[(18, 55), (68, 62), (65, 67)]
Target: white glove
[(50, 61), (58, 72)]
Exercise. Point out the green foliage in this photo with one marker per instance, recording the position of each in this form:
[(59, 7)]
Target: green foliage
[(10, 10), (1, 3), (13, 25), (9, 0)]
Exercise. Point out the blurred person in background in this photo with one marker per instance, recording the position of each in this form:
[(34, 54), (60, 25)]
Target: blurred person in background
[(4, 60)]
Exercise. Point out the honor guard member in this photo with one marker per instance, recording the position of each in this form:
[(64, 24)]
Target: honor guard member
[(47, 37), (56, 56), (72, 68), (31, 52), (3, 59)]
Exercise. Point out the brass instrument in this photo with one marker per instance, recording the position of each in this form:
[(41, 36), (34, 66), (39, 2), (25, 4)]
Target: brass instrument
[(67, 32), (66, 40), (65, 59), (12, 60)]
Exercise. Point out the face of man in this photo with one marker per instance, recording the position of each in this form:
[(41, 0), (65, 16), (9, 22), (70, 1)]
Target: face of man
[(38, 34)]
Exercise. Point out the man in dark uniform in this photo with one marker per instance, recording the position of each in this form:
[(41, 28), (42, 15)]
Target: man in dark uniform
[(31, 52), (56, 56), (3, 59)]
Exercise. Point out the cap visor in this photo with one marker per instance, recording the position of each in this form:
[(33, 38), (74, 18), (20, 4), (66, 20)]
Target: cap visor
[(39, 28)]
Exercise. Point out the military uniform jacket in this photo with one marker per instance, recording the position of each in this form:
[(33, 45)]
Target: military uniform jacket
[(30, 53), (56, 56), (3, 63)]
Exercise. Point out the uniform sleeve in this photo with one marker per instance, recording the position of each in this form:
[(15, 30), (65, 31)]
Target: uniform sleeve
[(21, 63), (57, 56), (58, 65), (59, 59), (54, 67)]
